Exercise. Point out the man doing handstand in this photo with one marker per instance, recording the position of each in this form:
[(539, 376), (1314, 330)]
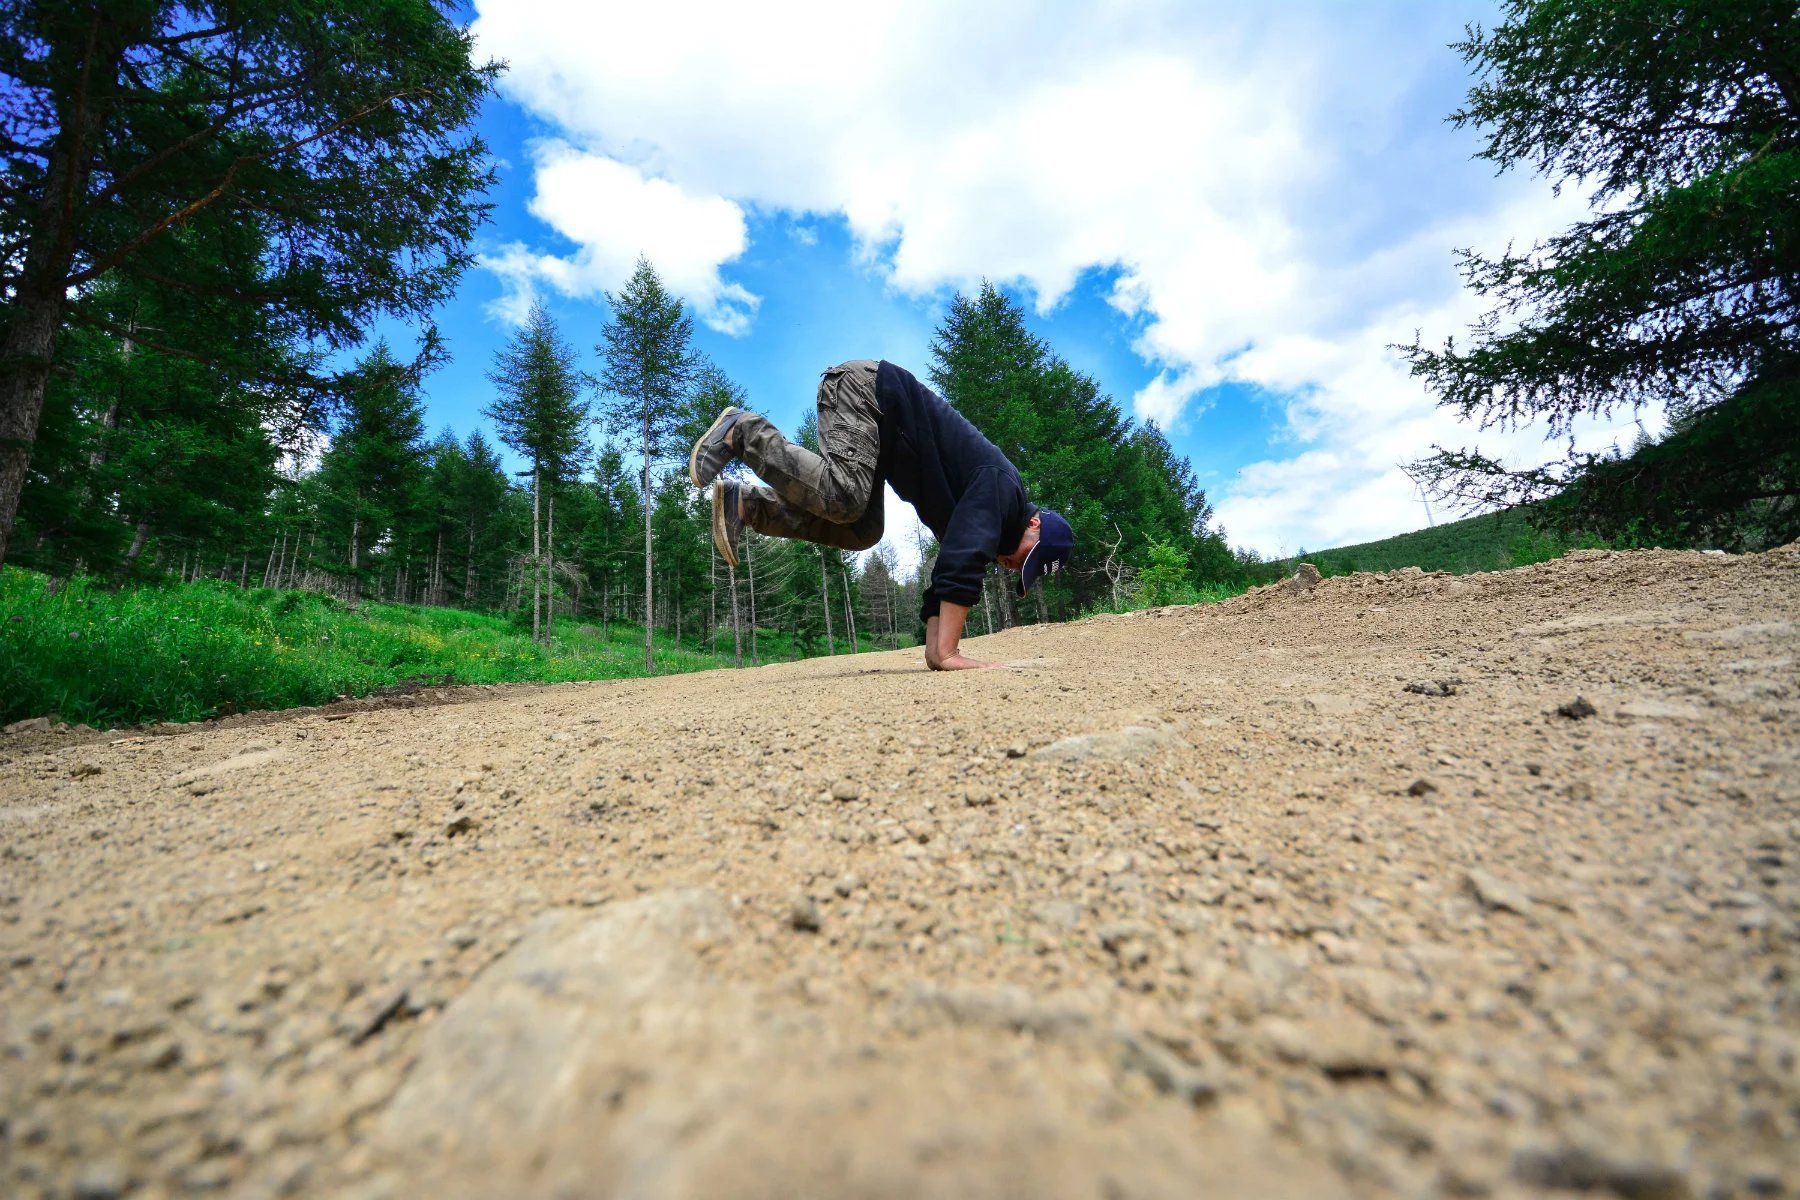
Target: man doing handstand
[(878, 424)]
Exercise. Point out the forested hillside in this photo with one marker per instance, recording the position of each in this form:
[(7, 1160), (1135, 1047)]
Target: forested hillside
[(1488, 542)]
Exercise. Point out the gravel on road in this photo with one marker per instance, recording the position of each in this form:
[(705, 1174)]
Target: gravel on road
[(1332, 890)]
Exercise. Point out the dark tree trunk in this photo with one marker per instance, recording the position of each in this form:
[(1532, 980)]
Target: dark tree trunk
[(737, 624), (138, 541), (537, 555), (649, 637), (825, 597), (849, 612), (356, 558), (469, 570), (39, 294), (750, 563)]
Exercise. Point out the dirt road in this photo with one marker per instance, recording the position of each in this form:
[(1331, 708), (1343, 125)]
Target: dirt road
[(1304, 893)]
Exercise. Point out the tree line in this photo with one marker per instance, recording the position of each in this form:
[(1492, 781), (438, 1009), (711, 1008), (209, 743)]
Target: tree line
[(151, 464), (206, 205)]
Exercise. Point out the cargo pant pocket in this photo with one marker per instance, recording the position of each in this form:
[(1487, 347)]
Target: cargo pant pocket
[(849, 436)]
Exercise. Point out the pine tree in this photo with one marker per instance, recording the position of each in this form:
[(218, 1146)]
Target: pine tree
[(136, 130), (131, 432), (880, 594), (607, 548), (480, 492), (371, 471), (989, 367), (540, 414), (709, 392), (447, 469), (649, 365), (1682, 289)]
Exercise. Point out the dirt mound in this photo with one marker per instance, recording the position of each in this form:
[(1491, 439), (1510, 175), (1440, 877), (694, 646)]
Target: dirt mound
[(1316, 891)]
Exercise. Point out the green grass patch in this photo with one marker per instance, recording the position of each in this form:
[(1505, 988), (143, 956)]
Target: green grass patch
[(182, 652)]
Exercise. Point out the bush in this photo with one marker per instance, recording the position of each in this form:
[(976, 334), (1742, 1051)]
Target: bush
[(1542, 544), (1165, 578)]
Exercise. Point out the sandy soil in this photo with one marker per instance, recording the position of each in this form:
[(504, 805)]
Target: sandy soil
[(1312, 892)]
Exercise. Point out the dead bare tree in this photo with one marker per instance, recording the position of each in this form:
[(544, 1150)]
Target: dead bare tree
[(1119, 573)]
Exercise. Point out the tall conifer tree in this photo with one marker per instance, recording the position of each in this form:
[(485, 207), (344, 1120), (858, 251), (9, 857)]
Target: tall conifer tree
[(1681, 289), (649, 364), (540, 412), (480, 492), (336, 133), (371, 471)]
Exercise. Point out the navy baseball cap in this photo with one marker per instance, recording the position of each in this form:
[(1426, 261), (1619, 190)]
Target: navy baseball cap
[(1056, 541)]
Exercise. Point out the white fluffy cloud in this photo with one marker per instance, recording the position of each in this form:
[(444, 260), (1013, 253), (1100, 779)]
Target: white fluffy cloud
[(1249, 177), (614, 213)]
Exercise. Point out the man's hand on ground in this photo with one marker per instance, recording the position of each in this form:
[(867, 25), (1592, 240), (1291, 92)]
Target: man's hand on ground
[(942, 634)]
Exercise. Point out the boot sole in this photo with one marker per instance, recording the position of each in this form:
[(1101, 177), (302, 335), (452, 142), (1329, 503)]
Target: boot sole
[(721, 537), (694, 454)]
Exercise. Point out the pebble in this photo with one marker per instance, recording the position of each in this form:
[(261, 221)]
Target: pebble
[(844, 789), (1497, 894), (1577, 709), (1168, 1073), (1583, 1170), (1126, 941), (1344, 1044), (100, 1181), (803, 915)]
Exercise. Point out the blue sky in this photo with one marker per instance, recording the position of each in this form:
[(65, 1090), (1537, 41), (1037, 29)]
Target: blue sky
[(1223, 212)]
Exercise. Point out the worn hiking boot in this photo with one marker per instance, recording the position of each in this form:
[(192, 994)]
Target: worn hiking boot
[(711, 452), (727, 521)]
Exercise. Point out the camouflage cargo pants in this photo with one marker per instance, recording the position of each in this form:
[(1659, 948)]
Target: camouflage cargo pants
[(832, 498)]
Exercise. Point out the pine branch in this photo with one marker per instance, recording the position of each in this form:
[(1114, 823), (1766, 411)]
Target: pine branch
[(194, 207), (299, 380), (180, 146)]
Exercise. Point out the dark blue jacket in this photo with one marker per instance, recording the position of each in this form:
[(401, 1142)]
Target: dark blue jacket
[(966, 491)]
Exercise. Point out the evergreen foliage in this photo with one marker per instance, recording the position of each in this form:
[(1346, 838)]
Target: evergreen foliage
[(649, 365), (540, 414), (297, 166), (371, 479), (1165, 577), (1679, 291)]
